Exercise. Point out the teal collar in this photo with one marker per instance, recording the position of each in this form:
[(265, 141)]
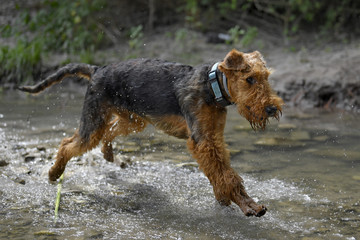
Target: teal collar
[(221, 92)]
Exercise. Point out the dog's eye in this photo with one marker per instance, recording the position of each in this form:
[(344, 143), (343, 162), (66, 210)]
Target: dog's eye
[(251, 80)]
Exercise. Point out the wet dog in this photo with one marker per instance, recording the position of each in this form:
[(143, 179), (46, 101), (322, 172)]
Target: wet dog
[(183, 101)]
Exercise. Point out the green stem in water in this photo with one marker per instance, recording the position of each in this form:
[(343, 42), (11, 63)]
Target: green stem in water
[(57, 202)]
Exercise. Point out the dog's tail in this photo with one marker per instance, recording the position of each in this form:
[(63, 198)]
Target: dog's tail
[(78, 70)]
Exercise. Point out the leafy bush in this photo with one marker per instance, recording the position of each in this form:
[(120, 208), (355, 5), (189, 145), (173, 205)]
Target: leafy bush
[(58, 26), (242, 37), (136, 37), (327, 16), (21, 61), (66, 25)]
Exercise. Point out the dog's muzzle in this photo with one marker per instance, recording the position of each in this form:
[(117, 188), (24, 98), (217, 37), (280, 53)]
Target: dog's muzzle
[(271, 110)]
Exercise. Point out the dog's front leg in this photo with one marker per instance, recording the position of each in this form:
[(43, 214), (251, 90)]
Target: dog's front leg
[(209, 149)]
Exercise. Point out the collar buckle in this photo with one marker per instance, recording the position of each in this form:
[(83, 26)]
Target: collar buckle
[(215, 86)]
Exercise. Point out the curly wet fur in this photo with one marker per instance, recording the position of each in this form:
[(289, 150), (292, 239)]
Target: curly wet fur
[(123, 98)]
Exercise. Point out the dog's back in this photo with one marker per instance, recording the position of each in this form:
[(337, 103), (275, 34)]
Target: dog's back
[(144, 86)]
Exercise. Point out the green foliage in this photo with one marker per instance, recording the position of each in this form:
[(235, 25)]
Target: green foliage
[(136, 37), (66, 25), (183, 40), (58, 26), (87, 55), (135, 42), (249, 36), (242, 37), (181, 35), (235, 34), (292, 13), (21, 61), (325, 16), (194, 10), (227, 6)]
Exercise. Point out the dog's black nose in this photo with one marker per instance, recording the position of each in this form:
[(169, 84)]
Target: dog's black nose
[(270, 110)]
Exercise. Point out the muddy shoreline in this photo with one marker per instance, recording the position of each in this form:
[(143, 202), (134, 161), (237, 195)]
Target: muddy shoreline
[(313, 77), (311, 71)]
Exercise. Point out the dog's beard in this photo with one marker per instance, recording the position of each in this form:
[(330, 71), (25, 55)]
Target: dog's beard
[(257, 119)]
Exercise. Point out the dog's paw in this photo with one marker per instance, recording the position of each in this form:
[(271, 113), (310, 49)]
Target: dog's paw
[(55, 173), (250, 208), (257, 211)]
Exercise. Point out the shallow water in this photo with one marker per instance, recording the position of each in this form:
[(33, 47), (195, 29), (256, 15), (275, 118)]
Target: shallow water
[(305, 169)]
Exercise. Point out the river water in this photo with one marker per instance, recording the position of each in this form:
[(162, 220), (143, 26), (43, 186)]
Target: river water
[(305, 169)]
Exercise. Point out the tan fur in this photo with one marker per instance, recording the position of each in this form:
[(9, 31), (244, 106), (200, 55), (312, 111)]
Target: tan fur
[(172, 125), (244, 95), (201, 121), (123, 124)]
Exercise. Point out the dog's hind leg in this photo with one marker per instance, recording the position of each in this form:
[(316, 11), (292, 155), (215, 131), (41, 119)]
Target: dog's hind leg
[(93, 121), (123, 124), (69, 147)]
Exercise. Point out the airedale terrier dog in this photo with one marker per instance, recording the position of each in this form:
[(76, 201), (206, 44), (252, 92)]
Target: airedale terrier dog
[(183, 101)]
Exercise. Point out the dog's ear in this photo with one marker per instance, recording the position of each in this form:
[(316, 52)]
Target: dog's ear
[(234, 61), (259, 57)]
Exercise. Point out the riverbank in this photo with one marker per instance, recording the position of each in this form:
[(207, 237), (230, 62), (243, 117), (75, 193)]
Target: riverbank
[(313, 68), (305, 76)]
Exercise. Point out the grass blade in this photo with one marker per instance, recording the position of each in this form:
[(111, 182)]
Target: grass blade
[(57, 201)]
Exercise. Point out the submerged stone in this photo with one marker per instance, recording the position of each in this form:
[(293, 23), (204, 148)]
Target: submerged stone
[(247, 168), (188, 165), (302, 116), (243, 127), (300, 136), (129, 143), (267, 142), (321, 138), (21, 170), (20, 181), (122, 161), (234, 152), (290, 206), (278, 142), (128, 148), (41, 148), (29, 158), (311, 238), (45, 233), (181, 158), (3, 163), (356, 177), (286, 126), (336, 153)]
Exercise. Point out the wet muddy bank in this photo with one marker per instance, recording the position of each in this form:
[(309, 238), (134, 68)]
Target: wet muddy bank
[(314, 78), (320, 75)]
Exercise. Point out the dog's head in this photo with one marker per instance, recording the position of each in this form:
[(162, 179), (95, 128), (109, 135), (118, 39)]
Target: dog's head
[(249, 88)]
